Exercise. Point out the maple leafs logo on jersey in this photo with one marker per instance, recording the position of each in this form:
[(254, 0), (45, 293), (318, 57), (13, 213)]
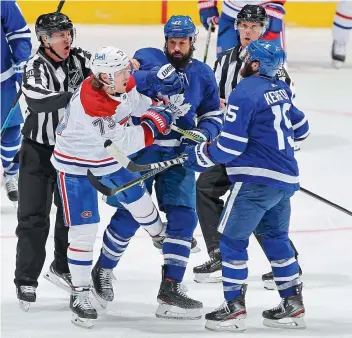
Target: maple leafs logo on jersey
[(177, 105)]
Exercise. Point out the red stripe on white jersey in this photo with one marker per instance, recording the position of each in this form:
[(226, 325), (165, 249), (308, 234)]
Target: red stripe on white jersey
[(83, 159), (344, 16), (64, 198)]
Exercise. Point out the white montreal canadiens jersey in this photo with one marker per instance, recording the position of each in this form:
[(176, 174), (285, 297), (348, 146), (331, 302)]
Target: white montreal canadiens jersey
[(90, 119), (232, 7)]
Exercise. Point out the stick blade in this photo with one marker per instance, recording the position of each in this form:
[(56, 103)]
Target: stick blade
[(94, 181)]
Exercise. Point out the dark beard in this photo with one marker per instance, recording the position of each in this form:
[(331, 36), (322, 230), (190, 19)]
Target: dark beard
[(179, 63), (247, 70)]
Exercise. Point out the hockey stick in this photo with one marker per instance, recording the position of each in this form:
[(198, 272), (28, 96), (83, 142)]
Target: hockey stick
[(188, 134), (207, 43), (107, 191), (123, 159), (194, 138), (154, 168), (322, 199), (18, 96)]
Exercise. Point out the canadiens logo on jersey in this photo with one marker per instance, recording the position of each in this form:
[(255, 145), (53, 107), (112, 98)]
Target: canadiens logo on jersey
[(75, 78), (178, 106)]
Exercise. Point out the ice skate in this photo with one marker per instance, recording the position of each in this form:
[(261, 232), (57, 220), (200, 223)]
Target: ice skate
[(102, 285), (210, 271), (174, 303), (338, 54), (11, 186), (62, 280), (289, 314), (83, 311), (230, 316), (26, 295)]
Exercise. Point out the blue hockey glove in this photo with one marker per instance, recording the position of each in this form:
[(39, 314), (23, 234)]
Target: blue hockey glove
[(158, 118), (18, 69), (208, 13), (201, 133), (165, 80), (198, 159)]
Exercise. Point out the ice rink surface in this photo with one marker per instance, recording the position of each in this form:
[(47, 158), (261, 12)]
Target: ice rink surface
[(322, 235)]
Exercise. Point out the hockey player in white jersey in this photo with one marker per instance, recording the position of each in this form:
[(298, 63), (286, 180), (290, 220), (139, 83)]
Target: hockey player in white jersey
[(227, 33), (341, 32), (100, 109)]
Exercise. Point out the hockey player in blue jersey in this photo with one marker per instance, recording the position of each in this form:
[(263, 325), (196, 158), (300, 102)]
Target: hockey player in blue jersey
[(228, 36), (15, 50), (256, 145), (190, 88)]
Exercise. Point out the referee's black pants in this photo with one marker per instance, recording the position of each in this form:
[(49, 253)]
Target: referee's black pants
[(37, 186), (211, 185)]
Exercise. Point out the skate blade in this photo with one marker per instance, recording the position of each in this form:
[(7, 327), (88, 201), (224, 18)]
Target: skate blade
[(57, 281), (269, 285), (196, 249), (214, 277), (286, 323), (82, 322), (337, 64), (102, 302), (24, 305), (232, 325), (168, 311)]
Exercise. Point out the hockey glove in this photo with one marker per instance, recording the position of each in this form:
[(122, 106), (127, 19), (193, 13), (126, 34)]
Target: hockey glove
[(158, 119), (200, 133), (208, 13), (198, 158), (18, 69), (165, 80)]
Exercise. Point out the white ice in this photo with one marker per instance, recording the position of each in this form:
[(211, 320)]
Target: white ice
[(322, 235)]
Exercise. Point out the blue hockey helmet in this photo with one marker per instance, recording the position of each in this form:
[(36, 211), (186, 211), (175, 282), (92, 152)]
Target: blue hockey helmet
[(180, 26), (270, 56)]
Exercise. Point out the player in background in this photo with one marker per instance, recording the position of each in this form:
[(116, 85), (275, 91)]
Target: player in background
[(214, 183), (15, 50), (50, 78), (227, 35), (256, 145), (99, 110), (340, 32), (190, 89)]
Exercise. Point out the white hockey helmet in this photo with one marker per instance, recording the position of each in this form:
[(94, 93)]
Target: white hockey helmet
[(109, 60)]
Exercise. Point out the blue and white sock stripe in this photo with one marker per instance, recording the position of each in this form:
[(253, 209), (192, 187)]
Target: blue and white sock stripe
[(113, 248), (176, 250), (11, 169), (286, 274), (177, 260), (187, 244), (8, 152)]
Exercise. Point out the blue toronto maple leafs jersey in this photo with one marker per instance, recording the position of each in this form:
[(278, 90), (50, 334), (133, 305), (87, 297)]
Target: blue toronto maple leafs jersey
[(197, 106), (15, 39), (261, 125)]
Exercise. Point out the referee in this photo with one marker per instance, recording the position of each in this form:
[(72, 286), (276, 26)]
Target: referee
[(251, 23), (50, 78)]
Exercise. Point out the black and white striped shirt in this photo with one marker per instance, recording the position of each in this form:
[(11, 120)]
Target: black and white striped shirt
[(48, 87), (227, 72)]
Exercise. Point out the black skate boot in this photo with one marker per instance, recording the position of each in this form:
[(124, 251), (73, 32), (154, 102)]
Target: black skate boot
[(268, 280), (82, 307), (229, 316), (174, 303), (289, 314), (210, 271), (338, 54), (62, 280), (26, 295), (102, 285), (11, 186)]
